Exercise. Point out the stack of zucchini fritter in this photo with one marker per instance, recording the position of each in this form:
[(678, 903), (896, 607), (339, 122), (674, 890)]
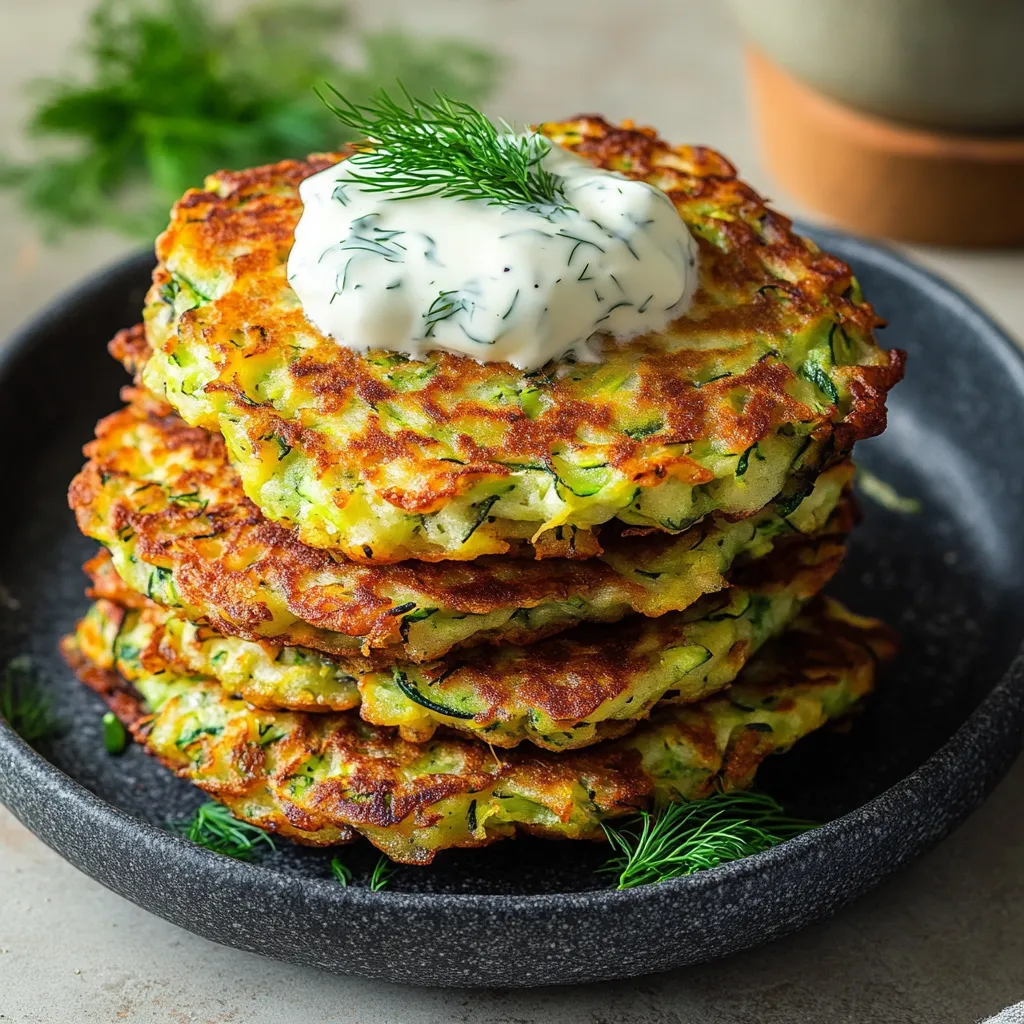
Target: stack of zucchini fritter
[(433, 603)]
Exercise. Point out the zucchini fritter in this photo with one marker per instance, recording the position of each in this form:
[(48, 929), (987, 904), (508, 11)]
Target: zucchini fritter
[(316, 777), (569, 691), (165, 501), (773, 372)]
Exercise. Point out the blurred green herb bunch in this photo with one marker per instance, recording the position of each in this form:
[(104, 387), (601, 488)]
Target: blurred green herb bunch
[(171, 93)]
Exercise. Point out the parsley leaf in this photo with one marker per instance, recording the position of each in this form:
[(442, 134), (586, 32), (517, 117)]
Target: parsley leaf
[(171, 94)]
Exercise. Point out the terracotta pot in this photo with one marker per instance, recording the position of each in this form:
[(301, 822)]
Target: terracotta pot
[(881, 179), (954, 65)]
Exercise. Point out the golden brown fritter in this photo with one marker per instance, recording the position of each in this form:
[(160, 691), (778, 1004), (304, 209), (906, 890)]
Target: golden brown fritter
[(164, 500), (773, 373), (565, 692), (318, 778)]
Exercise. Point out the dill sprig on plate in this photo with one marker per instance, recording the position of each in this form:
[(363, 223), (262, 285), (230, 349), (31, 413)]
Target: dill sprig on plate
[(341, 871), (445, 148), (215, 827), (381, 874), (683, 838), (379, 878), (23, 705)]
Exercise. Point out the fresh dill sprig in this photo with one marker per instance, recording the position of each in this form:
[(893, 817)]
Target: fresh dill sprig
[(341, 871), (381, 874), (23, 705), (683, 838), (215, 827), (445, 148), (169, 92)]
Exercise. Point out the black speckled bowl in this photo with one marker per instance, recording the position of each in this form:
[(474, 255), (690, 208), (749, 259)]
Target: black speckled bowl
[(943, 728)]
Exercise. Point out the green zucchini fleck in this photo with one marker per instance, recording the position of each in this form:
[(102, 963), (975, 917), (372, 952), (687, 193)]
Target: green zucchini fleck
[(403, 683), (188, 738), (733, 610), (531, 402), (687, 657), (744, 462), (710, 380), (583, 481), (646, 430), (483, 510), (787, 504), (408, 620), (818, 376)]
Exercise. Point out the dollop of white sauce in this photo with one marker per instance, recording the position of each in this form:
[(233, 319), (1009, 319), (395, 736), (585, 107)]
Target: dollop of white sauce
[(522, 284)]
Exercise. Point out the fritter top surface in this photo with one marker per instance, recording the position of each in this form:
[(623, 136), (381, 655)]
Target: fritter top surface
[(383, 458)]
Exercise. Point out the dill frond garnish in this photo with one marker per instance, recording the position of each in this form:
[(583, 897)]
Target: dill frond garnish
[(381, 874), (680, 839), (445, 148), (23, 705), (215, 827), (341, 871)]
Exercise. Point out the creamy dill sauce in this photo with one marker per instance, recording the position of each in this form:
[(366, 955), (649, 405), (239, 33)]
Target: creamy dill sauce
[(518, 283)]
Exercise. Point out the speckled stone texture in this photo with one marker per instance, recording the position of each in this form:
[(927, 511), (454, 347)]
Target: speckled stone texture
[(943, 728)]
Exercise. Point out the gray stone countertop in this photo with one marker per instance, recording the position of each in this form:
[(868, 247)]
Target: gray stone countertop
[(942, 941)]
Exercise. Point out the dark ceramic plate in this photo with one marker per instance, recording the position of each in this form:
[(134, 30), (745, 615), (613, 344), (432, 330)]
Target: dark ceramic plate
[(944, 727)]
